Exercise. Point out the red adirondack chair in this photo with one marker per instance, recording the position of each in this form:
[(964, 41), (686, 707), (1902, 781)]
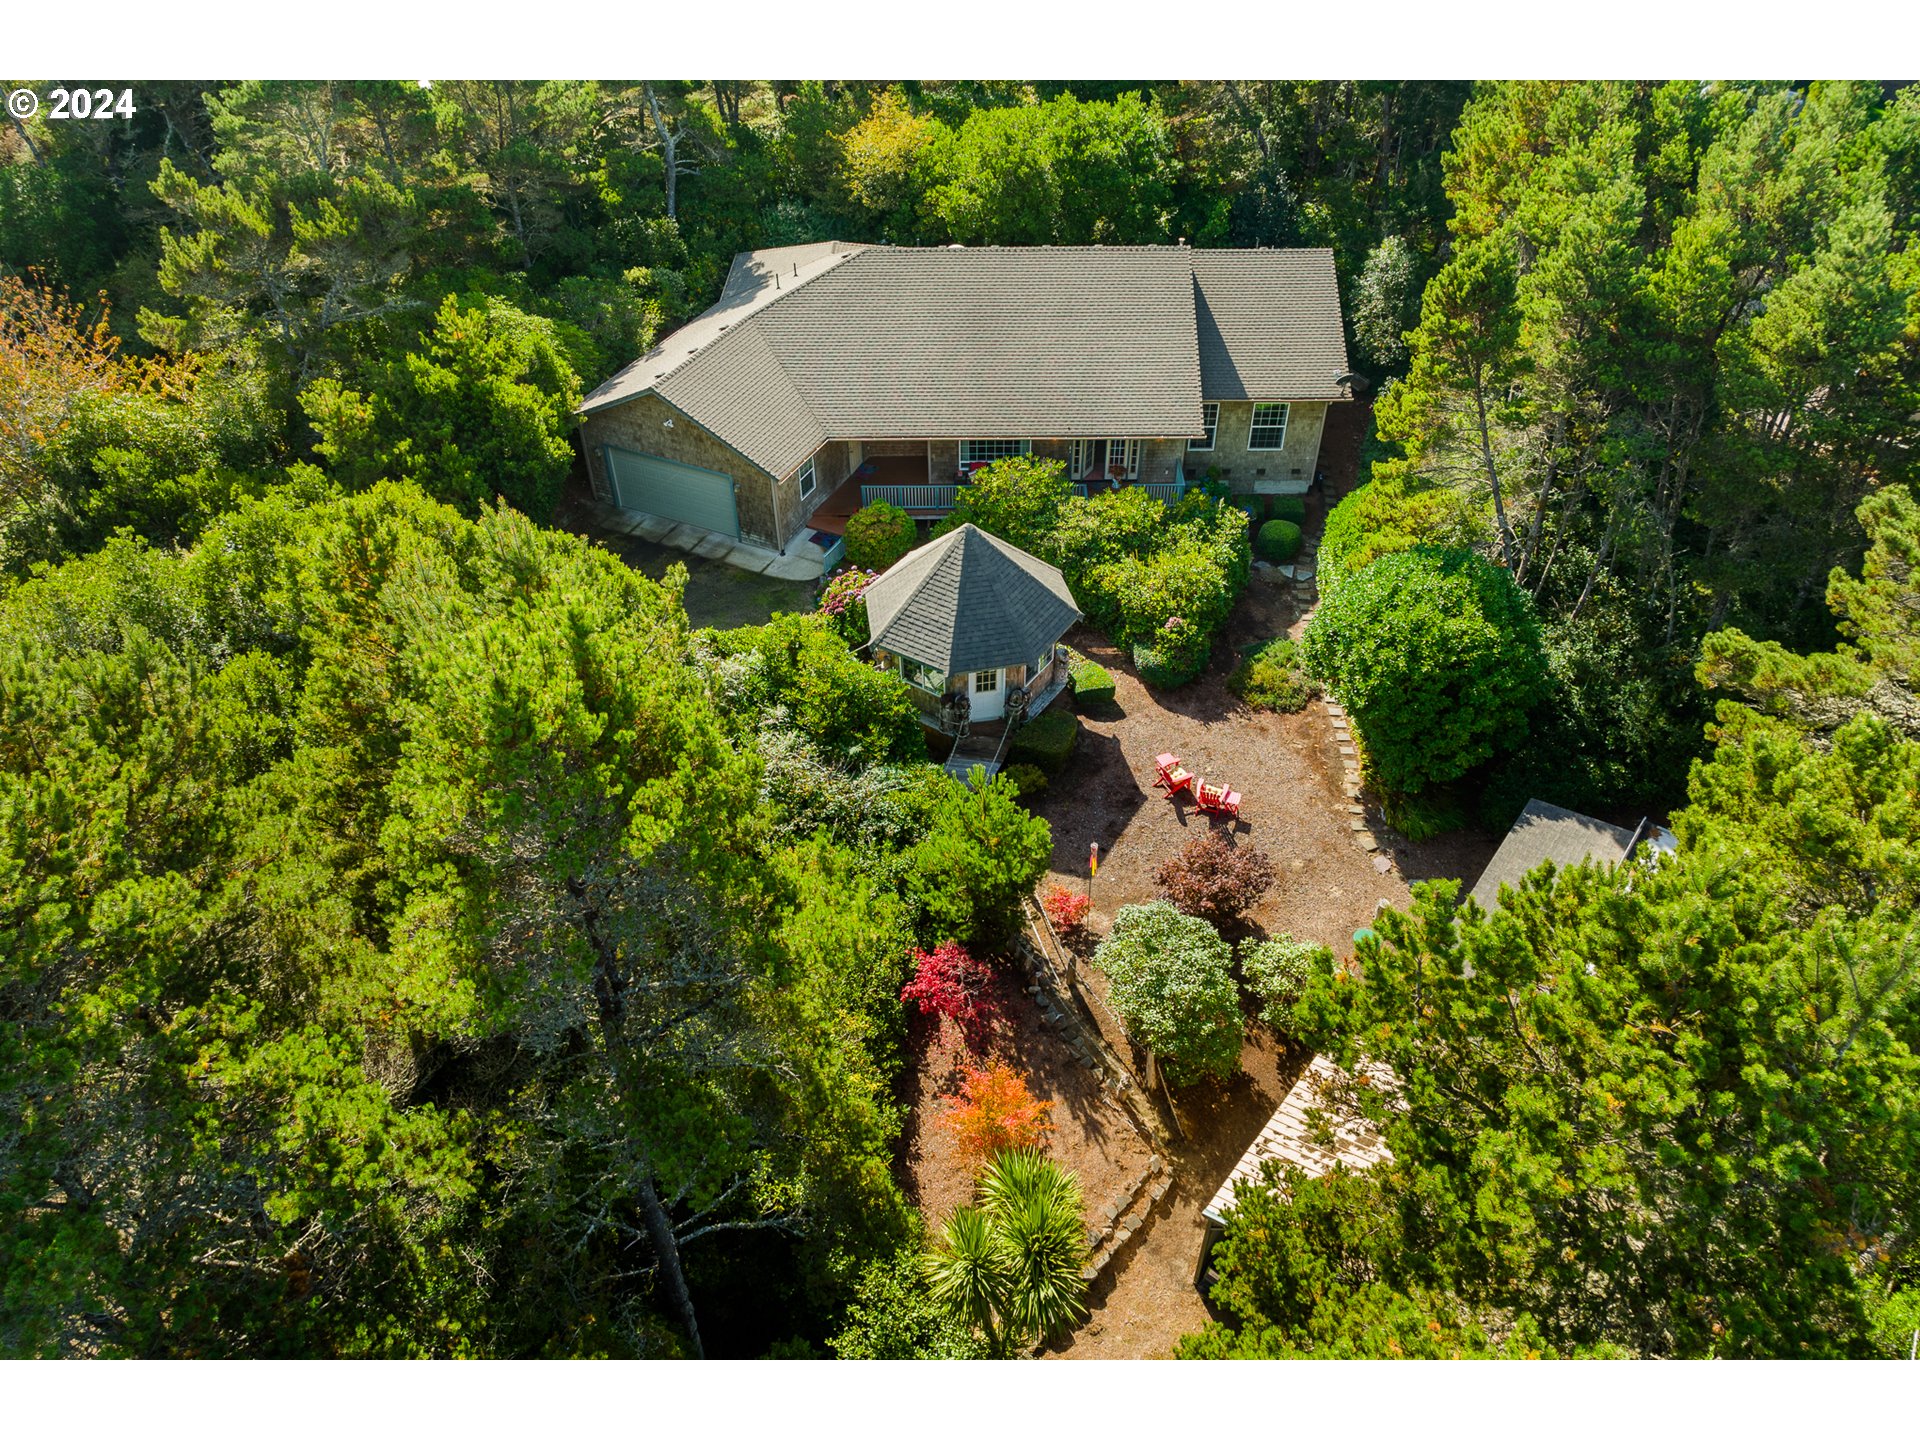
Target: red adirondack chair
[(1218, 800)]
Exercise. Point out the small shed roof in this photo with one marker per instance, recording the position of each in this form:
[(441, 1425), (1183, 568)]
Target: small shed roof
[(1288, 1136), (1547, 832), (969, 601)]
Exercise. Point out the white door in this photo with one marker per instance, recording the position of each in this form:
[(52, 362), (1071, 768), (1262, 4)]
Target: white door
[(989, 694)]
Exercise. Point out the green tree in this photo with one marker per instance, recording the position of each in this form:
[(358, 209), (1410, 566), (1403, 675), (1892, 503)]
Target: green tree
[(482, 411), (1436, 655), (1172, 984), (980, 860)]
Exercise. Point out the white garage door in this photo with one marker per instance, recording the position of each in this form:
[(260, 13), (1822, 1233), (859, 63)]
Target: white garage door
[(673, 491)]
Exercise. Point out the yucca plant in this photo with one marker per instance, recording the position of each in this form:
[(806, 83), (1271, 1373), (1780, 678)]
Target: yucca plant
[(1013, 1266), (1036, 1212), (969, 1273)]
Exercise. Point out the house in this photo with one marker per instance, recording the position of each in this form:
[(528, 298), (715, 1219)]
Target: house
[(1546, 832), (968, 617), (834, 374), (1316, 1127)]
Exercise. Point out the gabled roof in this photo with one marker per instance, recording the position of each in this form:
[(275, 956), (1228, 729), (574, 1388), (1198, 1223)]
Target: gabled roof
[(969, 601), (1269, 325), (839, 341), (1546, 832)]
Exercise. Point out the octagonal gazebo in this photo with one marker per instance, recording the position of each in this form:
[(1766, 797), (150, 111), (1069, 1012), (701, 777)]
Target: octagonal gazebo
[(968, 614)]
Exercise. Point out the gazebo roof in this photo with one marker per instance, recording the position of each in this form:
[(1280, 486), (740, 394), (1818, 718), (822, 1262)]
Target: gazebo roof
[(969, 601)]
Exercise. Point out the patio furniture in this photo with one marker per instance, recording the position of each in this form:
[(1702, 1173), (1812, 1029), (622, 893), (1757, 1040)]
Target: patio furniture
[(1177, 779), (1163, 762), (1217, 800)]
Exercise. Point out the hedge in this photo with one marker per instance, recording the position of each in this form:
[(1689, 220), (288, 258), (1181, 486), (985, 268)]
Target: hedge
[(1092, 684), (1279, 541), (1289, 507), (1045, 741)]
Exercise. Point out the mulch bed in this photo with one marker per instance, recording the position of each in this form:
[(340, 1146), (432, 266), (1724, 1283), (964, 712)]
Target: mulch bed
[(1091, 1137)]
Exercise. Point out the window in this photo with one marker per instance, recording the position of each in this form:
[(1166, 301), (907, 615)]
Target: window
[(1123, 459), (1269, 428), (1046, 659), (985, 682), (1210, 417), (806, 479), (975, 452), (923, 677)]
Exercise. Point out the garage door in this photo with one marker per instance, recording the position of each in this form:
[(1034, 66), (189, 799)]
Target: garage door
[(673, 491)]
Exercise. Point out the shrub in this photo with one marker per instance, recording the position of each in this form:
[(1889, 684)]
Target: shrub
[(982, 856), (1269, 677), (1172, 986), (1289, 507), (1045, 741), (949, 982), (1178, 652), (893, 1316), (834, 698), (878, 535), (1067, 909), (1432, 812), (994, 1111), (1279, 541), (1020, 498), (1215, 879), (1161, 670), (1277, 970), (1092, 685), (1385, 517), (1437, 656), (1029, 780), (844, 604)]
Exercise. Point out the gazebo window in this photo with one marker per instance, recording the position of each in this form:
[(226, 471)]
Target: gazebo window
[(924, 677)]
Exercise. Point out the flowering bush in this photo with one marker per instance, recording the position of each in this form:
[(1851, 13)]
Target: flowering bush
[(1277, 970), (995, 1111), (1067, 909), (1172, 985), (948, 981), (1216, 880), (844, 603)]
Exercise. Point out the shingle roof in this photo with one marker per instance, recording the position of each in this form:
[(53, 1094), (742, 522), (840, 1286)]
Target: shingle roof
[(909, 344), (1269, 324), (885, 342), (1546, 832), (969, 601), (757, 279), (1288, 1136)]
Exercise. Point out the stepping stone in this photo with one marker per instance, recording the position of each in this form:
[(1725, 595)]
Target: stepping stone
[(1348, 750), (1360, 825), (1382, 864), (1356, 809), (1367, 842), (1333, 707)]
